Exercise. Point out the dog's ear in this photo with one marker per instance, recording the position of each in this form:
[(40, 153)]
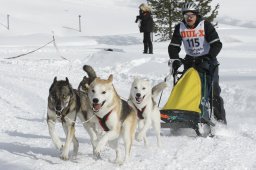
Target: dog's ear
[(110, 78), (69, 86), (55, 79), (67, 80)]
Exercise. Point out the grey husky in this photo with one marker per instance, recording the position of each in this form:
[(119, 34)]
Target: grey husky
[(86, 116), (63, 106)]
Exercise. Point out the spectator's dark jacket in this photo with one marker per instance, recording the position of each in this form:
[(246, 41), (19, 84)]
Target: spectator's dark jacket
[(146, 22)]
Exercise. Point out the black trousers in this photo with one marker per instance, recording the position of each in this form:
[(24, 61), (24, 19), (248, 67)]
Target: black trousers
[(147, 41), (216, 100)]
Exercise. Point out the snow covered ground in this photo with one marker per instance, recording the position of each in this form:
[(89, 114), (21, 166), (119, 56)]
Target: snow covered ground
[(24, 82)]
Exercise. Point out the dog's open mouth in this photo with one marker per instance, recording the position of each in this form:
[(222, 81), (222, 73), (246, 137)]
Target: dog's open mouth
[(96, 106), (139, 99)]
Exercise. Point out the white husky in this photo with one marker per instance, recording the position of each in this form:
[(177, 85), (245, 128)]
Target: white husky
[(143, 99), (115, 116)]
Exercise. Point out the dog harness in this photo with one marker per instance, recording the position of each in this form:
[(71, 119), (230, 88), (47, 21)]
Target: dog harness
[(62, 114), (140, 112), (103, 120)]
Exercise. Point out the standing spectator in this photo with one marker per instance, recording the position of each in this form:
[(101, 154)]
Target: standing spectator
[(146, 26)]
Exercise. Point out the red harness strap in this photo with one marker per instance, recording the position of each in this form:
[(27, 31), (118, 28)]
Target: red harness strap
[(103, 120), (139, 113)]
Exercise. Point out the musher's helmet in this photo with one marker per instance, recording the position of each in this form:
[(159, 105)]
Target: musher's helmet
[(190, 7)]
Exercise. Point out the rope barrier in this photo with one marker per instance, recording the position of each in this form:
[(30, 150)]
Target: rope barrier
[(29, 51), (52, 41)]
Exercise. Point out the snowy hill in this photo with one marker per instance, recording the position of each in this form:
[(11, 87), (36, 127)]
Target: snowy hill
[(25, 81)]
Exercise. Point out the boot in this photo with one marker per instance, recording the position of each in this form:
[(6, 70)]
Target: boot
[(219, 111), (145, 48)]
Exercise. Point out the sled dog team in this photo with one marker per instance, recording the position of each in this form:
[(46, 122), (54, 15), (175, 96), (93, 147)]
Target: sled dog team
[(105, 116)]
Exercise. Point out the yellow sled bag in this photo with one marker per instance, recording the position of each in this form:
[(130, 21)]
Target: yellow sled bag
[(186, 94)]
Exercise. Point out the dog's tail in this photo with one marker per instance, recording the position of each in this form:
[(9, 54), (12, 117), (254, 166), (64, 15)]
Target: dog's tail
[(91, 73), (156, 90)]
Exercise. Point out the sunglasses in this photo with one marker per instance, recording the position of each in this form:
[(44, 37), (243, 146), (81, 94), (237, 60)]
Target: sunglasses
[(189, 16)]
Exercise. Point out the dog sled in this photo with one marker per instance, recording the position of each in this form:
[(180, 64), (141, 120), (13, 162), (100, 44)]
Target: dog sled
[(188, 105)]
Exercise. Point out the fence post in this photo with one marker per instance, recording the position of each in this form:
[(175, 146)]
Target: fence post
[(8, 26), (79, 23)]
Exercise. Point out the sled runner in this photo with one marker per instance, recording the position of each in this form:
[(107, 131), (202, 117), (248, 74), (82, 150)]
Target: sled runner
[(188, 104)]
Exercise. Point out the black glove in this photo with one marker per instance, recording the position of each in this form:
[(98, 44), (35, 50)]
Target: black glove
[(137, 19), (175, 63)]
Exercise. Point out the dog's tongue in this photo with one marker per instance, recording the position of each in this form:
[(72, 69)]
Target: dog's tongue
[(138, 99), (97, 106)]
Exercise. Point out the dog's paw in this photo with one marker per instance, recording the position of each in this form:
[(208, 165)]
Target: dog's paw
[(73, 157), (74, 154), (64, 156), (140, 137), (119, 162), (96, 156), (98, 149), (159, 144)]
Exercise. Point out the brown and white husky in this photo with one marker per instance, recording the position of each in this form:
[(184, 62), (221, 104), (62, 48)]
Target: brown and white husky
[(114, 115)]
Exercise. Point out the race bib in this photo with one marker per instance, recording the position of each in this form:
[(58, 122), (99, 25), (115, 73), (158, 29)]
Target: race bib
[(194, 40)]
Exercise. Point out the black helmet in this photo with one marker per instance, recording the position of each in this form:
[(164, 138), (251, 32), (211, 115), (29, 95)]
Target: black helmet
[(190, 7)]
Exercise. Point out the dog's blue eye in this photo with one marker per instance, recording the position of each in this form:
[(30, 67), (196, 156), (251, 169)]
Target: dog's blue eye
[(104, 92), (135, 87), (143, 88)]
